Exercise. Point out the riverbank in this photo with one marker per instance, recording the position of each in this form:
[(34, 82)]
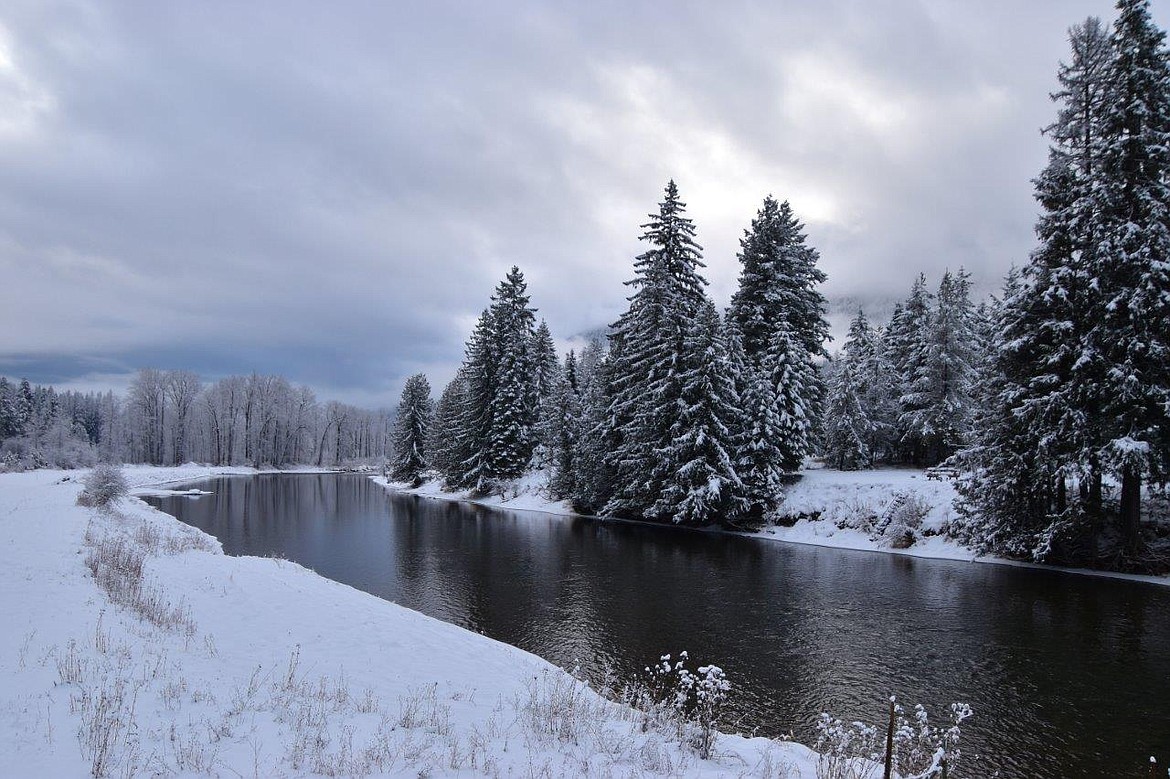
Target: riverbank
[(176, 658), (870, 511)]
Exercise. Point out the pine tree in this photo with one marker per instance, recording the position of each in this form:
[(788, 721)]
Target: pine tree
[(778, 292), (7, 409), (694, 464), (411, 426), (940, 394), (778, 284), (1132, 270), (548, 365), (647, 346), (514, 403), (906, 339), (479, 378), (846, 428), (25, 405), (560, 430), (443, 450)]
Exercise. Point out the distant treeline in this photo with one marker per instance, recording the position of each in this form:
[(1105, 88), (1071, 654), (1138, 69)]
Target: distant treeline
[(171, 417)]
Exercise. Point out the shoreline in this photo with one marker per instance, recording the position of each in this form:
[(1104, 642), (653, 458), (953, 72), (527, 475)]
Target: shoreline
[(944, 549)]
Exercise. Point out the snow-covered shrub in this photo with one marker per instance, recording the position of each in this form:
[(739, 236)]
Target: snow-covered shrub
[(105, 485), (846, 751), (686, 704), (921, 750), (901, 522)]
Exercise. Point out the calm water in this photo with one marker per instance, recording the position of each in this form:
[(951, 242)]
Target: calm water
[(1069, 675)]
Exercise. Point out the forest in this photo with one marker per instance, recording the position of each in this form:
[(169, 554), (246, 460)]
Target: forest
[(1048, 402)]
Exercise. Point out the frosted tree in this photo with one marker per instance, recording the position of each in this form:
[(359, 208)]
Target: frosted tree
[(181, 389), (906, 341), (559, 429), (647, 346), (846, 427), (940, 396), (694, 463), (511, 437), (443, 450), (411, 426), (778, 292)]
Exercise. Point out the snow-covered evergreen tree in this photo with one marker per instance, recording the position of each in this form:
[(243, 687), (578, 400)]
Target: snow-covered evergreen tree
[(443, 449), (846, 428), (560, 422), (1132, 268), (411, 426), (939, 400), (647, 349), (694, 464), (514, 404), (906, 341)]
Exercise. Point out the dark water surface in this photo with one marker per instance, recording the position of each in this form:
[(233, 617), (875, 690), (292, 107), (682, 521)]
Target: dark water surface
[(1069, 675)]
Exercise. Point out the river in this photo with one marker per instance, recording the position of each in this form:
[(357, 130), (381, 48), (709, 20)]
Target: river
[(1069, 675)]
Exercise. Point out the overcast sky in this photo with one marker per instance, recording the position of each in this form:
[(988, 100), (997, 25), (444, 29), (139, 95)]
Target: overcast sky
[(332, 190)]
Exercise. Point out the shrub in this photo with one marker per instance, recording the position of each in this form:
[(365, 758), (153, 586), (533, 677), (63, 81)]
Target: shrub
[(105, 485)]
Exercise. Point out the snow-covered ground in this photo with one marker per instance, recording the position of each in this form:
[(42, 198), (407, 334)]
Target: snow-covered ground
[(175, 659), (860, 510)]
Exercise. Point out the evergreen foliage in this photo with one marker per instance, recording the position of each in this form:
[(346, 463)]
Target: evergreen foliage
[(411, 427)]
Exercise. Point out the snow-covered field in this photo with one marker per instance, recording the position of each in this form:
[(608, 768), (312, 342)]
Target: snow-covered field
[(858, 510), (178, 660)]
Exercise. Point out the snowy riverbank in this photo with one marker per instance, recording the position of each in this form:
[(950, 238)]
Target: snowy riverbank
[(183, 660), (856, 510)]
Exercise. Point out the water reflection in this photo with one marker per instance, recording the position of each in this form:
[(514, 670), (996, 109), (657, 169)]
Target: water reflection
[(1069, 675)]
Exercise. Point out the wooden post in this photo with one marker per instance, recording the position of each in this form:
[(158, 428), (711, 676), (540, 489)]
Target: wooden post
[(890, 743)]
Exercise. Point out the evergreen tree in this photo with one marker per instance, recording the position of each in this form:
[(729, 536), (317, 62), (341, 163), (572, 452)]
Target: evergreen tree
[(443, 449), (778, 285), (846, 428), (647, 346), (411, 426), (25, 406), (514, 403), (694, 464), (906, 341), (940, 394), (7, 409), (479, 380), (548, 365), (560, 430), (1132, 269)]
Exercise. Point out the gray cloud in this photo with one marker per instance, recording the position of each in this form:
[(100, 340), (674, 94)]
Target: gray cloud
[(331, 192)]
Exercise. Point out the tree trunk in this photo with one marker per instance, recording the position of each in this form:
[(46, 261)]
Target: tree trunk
[(1131, 509)]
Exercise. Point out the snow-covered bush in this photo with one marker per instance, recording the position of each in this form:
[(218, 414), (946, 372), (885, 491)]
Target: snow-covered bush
[(105, 485), (920, 750), (846, 751), (687, 704), (901, 522)]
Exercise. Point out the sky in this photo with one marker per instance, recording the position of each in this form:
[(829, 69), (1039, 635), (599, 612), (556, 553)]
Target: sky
[(331, 191)]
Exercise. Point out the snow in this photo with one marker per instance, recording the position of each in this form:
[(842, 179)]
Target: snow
[(269, 669)]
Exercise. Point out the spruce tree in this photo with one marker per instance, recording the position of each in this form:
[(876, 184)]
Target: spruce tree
[(846, 427), (694, 462), (444, 451), (647, 346), (411, 426), (513, 405), (1132, 270)]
